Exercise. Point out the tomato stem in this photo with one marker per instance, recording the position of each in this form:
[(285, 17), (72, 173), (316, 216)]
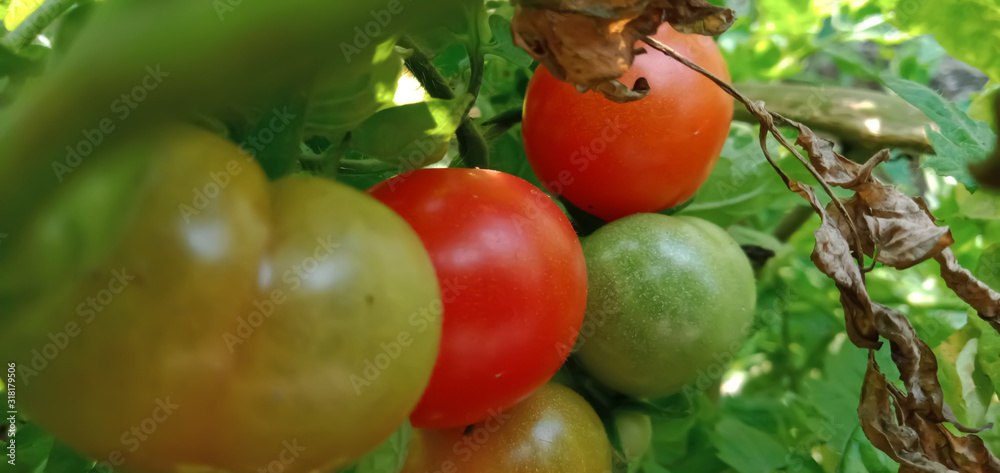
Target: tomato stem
[(767, 121), (32, 26)]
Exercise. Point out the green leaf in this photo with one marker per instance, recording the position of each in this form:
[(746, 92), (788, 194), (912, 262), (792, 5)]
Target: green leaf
[(742, 183), (981, 107), (988, 268), (396, 133), (33, 447), (18, 11), (960, 141), (968, 29), (861, 457), (504, 43), (746, 449), (386, 458)]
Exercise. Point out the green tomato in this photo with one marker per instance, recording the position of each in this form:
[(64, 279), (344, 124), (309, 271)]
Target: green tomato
[(233, 319), (670, 299), (553, 431)]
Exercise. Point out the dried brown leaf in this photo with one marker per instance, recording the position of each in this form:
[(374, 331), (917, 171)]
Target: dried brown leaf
[(832, 255), (876, 410), (898, 231), (899, 226), (974, 292), (696, 16), (591, 43)]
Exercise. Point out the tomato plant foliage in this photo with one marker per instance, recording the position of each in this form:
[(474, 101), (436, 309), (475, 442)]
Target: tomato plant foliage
[(443, 86)]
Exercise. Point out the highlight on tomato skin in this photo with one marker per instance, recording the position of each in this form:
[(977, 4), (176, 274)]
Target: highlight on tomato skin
[(514, 286), (614, 160)]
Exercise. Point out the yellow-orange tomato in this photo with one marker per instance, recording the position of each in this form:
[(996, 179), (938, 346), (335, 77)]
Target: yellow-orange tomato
[(553, 431), (236, 324)]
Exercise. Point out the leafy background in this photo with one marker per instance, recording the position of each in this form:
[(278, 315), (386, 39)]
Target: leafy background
[(789, 400)]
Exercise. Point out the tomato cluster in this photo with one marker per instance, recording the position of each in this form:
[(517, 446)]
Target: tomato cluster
[(233, 318)]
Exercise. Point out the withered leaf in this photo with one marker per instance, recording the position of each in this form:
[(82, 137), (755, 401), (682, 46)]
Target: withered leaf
[(974, 292), (898, 231), (591, 43), (899, 226), (696, 16), (882, 426), (832, 256)]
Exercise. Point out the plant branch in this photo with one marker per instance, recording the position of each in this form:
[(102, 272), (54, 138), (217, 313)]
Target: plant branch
[(793, 222), (767, 121), (423, 69), (32, 26), (421, 66), (873, 120), (499, 124)]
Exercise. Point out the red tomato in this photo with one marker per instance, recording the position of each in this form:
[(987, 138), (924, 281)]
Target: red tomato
[(513, 282), (614, 160)]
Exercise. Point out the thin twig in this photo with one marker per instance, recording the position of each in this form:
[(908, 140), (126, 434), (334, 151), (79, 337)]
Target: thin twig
[(767, 119)]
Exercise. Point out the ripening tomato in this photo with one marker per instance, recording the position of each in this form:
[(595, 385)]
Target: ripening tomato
[(553, 431), (513, 281), (612, 159), (670, 301), (236, 324)]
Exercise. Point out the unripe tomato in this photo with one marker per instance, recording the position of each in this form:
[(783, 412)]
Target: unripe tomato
[(237, 323), (553, 431), (670, 300), (514, 286), (614, 160)]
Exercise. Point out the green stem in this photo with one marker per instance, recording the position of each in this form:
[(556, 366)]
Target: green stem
[(32, 26), (364, 166), (423, 69), (499, 124)]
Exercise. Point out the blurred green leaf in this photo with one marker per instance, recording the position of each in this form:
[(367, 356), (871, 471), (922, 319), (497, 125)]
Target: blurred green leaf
[(505, 46), (968, 29), (746, 449), (960, 141), (861, 457), (981, 107), (388, 457), (988, 268), (396, 133), (742, 183), (18, 11)]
